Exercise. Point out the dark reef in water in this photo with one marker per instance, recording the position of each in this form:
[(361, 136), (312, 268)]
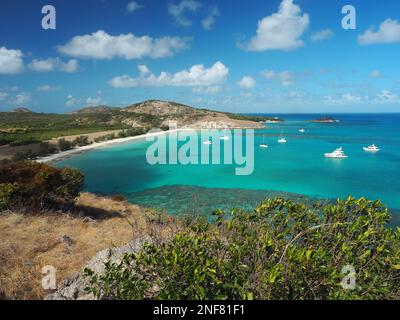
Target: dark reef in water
[(180, 200)]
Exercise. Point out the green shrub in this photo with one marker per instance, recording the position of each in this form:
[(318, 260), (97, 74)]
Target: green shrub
[(64, 145), (81, 141), (25, 155), (46, 148), (36, 185), (281, 250), (7, 191), (24, 142)]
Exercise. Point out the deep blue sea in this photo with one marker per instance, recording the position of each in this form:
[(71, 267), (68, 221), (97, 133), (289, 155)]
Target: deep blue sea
[(295, 168)]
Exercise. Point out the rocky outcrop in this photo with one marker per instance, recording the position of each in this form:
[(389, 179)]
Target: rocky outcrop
[(74, 287)]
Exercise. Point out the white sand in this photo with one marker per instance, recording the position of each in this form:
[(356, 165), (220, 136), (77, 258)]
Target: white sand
[(64, 154)]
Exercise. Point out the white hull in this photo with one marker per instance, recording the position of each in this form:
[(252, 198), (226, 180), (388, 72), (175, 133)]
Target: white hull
[(263, 146), (328, 155), (337, 154), (371, 150)]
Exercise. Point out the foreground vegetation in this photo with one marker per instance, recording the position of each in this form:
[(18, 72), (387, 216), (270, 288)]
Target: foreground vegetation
[(281, 250), (43, 221)]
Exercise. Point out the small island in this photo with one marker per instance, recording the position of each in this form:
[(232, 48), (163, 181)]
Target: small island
[(325, 120)]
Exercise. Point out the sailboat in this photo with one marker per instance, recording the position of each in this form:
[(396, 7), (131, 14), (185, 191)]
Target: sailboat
[(263, 145), (282, 139)]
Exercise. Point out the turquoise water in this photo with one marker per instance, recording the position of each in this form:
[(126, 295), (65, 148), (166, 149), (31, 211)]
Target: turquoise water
[(297, 167)]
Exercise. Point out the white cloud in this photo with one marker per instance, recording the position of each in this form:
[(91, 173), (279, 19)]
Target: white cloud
[(281, 30), (133, 6), (209, 21), (376, 74), (286, 78), (177, 11), (71, 101), (388, 32), (247, 82), (47, 88), (10, 61), (21, 99), (197, 75), (207, 90), (70, 67), (322, 35), (93, 101), (3, 95), (101, 45), (386, 96), (54, 64), (352, 98)]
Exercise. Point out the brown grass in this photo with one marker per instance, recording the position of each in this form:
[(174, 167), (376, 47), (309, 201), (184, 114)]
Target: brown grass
[(27, 243)]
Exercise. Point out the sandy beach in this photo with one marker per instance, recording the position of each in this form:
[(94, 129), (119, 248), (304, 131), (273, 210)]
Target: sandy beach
[(65, 154)]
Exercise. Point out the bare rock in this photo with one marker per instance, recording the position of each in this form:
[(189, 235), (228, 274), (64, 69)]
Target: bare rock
[(89, 220), (74, 287)]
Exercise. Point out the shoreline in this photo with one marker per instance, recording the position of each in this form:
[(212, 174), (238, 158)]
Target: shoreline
[(65, 154)]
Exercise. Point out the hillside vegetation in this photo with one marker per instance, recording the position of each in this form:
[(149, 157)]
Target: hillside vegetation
[(21, 127)]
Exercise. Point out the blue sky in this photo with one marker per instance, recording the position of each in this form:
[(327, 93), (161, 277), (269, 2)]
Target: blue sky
[(274, 56)]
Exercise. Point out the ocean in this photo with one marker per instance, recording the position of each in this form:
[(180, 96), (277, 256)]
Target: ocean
[(295, 169)]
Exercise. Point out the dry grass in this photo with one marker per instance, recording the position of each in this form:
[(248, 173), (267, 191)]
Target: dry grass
[(27, 243)]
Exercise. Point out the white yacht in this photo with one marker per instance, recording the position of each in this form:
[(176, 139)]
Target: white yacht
[(372, 148), (282, 139), (208, 142), (338, 153), (263, 144), (225, 138), (302, 130)]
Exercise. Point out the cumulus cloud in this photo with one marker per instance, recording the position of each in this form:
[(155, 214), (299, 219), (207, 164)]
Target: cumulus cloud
[(54, 64), (322, 35), (94, 101), (388, 32), (197, 75), (209, 21), (178, 11), (101, 45), (346, 99), (3, 96), (71, 101), (10, 61), (21, 99), (247, 82), (386, 96), (133, 6), (286, 78), (281, 30)]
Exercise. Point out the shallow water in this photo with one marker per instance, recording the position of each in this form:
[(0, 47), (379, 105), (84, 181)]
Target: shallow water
[(297, 167)]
